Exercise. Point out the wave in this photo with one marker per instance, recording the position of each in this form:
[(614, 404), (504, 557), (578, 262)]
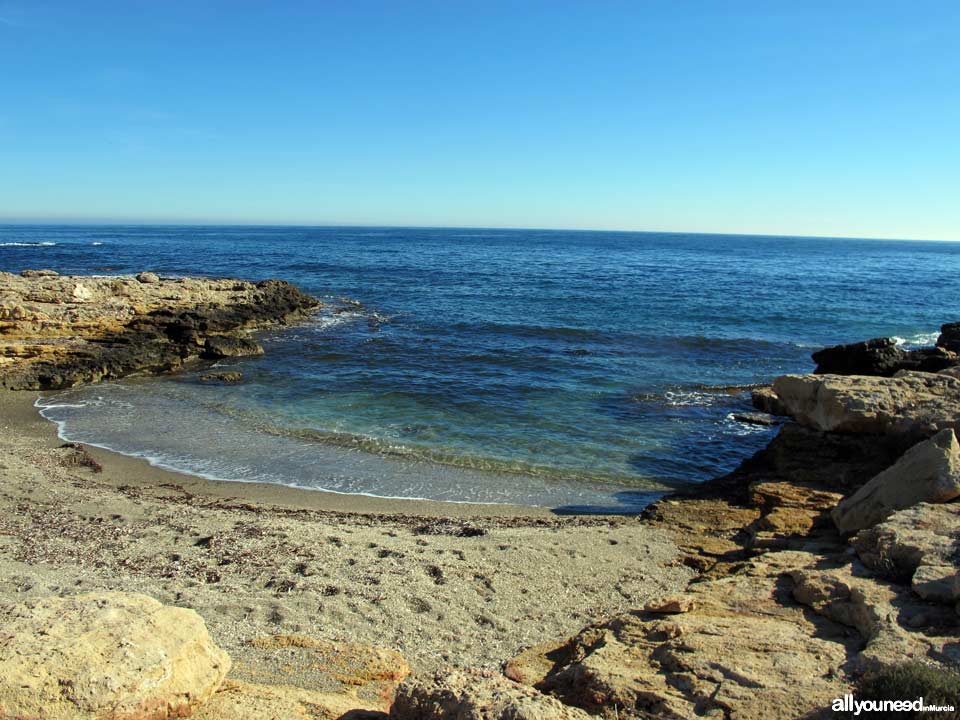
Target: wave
[(27, 244), (923, 339)]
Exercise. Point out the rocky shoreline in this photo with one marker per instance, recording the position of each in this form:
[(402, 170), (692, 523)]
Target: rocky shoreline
[(830, 556), (57, 332)]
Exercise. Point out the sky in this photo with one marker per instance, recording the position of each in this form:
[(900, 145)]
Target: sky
[(769, 117)]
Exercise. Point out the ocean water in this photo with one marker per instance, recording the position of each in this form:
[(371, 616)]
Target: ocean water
[(581, 371)]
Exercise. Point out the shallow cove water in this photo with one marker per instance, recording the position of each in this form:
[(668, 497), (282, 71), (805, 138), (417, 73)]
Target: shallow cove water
[(581, 371)]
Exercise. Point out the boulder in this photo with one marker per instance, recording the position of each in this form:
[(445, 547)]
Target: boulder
[(755, 418), (927, 472), (148, 277), (911, 404), (250, 701), (950, 337), (39, 273), (221, 346), (929, 360), (880, 356), (916, 546), (121, 656), (362, 676), (765, 400), (475, 695), (848, 595), (231, 376)]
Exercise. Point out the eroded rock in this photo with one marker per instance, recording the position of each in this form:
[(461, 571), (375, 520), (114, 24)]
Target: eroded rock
[(122, 656), (475, 695), (923, 539), (743, 650), (927, 472), (57, 332), (912, 404)]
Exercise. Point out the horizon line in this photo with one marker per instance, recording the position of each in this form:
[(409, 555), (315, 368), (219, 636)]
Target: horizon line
[(239, 224)]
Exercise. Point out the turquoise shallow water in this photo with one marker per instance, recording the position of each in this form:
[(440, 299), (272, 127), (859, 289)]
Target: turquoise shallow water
[(568, 369)]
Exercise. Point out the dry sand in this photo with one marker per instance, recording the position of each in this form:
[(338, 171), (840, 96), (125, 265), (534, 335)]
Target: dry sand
[(439, 582)]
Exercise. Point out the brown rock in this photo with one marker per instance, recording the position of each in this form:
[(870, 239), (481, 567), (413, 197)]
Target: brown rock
[(366, 673), (743, 651), (223, 346), (765, 400), (247, 701), (850, 596), (927, 472), (911, 404), (671, 605), (148, 277), (226, 376), (39, 273), (476, 695), (121, 656), (917, 546), (57, 332)]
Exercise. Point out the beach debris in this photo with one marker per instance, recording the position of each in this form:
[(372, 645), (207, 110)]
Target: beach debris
[(441, 526), (113, 655), (80, 456)]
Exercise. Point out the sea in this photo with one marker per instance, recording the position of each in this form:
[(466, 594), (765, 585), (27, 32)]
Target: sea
[(573, 370)]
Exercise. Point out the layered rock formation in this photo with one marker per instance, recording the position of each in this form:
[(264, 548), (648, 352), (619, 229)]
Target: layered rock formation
[(60, 331)]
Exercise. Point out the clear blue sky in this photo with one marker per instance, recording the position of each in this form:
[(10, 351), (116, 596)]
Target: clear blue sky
[(806, 117)]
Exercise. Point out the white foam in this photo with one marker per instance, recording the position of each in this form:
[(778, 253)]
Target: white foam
[(918, 339), (27, 244)]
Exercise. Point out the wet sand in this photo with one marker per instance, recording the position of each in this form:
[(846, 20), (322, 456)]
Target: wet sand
[(439, 582)]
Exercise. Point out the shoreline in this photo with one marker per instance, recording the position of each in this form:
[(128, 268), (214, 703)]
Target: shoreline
[(19, 408), (441, 583)]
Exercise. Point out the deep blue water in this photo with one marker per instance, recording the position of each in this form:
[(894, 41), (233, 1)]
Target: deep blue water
[(540, 367)]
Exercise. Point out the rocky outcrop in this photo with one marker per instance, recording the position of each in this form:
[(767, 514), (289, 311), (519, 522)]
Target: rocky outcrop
[(476, 695), (927, 472), (120, 656), (949, 337), (911, 404), (60, 331), (743, 649), (880, 356), (919, 546)]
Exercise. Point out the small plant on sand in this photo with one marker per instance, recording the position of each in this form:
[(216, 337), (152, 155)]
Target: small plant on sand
[(937, 686)]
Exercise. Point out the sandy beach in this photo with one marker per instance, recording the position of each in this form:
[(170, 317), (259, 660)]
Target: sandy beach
[(440, 583)]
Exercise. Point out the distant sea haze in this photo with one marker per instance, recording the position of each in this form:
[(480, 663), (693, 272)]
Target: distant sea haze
[(573, 370)]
